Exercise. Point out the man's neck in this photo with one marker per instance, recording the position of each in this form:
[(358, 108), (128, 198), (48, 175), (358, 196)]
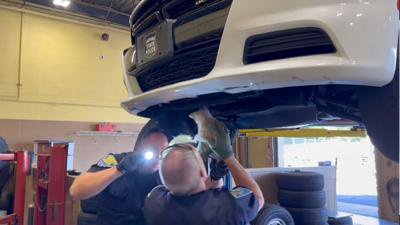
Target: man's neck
[(199, 189)]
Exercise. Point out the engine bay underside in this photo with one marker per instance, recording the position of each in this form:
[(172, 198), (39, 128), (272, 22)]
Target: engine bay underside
[(276, 108)]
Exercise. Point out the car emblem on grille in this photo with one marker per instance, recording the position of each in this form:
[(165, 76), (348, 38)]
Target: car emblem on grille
[(150, 45), (199, 2)]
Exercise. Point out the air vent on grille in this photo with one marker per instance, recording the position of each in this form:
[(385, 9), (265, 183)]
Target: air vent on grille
[(286, 44), (178, 8), (150, 21), (143, 10), (188, 63)]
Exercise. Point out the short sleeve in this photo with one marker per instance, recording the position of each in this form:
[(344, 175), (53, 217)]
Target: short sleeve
[(157, 191), (155, 196), (154, 205), (246, 201), (95, 168), (108, 161)]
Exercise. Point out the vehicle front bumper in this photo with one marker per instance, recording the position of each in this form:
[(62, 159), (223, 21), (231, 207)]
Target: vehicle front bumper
[(365, 34)]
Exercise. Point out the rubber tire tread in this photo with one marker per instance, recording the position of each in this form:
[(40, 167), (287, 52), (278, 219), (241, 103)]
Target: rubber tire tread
[(325, 223), (304, 199), (269, 212), (300, 181), (347, 220), (308, 216)]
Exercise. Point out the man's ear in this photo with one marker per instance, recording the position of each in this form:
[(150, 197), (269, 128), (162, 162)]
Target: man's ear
[(203, 173)]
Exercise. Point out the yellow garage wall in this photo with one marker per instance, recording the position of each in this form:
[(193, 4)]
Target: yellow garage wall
[(64, 112), (68, 63), (10, 29), (55, 69)]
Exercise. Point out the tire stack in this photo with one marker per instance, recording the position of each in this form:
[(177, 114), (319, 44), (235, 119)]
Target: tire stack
[(88, 214), (301, 193)]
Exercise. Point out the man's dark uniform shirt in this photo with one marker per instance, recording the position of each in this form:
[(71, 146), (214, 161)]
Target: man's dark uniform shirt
[(121, 203), (212, 207)]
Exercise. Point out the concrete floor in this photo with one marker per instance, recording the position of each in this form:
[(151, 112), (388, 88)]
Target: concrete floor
[(365, 220), (357, 209), (363, 209), (370, 200)]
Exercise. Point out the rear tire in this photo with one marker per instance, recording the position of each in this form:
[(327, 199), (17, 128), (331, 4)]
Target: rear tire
[(380, 113), (273, 215)]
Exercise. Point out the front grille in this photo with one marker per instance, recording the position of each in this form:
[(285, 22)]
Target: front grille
[(195, 51), (143, 10), (149, 22), (286, 44), (192, 62), (178, 8)]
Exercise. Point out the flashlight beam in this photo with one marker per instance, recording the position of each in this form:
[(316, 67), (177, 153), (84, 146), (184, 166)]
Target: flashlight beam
[(149, 155)]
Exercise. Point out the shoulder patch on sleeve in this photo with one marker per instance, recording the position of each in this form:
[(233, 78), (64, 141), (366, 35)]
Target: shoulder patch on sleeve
[(240, 192), (108, 161), (157, 190)]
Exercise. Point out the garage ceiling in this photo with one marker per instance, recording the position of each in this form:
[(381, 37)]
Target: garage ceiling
[(110, 11)]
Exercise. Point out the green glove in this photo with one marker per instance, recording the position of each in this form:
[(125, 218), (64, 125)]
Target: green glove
[(204, 150), (221, 143), (214, 132)]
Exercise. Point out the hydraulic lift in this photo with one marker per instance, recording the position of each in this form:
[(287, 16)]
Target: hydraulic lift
[(50, 182), (23, 165)]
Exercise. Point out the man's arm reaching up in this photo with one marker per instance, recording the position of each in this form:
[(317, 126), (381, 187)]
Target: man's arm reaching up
[(90, 184), (217, 136), (243, 179)]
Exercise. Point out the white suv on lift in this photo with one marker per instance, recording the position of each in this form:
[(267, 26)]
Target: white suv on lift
[(266, 64)]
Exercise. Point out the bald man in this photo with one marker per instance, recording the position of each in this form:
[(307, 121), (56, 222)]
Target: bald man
[(122, 182), (191, 197)]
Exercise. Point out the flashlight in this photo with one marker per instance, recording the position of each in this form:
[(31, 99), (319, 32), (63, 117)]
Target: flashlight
[(149, 155)]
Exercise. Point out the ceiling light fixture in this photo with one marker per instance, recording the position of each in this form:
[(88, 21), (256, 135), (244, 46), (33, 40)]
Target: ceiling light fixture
[(63, 3)]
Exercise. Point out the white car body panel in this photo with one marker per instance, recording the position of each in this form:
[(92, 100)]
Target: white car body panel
[(364, 32)]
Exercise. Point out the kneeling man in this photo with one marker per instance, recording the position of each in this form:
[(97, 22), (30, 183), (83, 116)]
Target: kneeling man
[(190, 197)]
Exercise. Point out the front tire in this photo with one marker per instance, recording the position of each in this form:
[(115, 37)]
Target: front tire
[(380, 113)]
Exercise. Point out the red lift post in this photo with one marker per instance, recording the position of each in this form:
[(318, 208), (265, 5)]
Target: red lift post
[(51, 178), (22, 160)]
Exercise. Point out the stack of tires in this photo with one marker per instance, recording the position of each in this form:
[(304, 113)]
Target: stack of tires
[(301, 193), (88, 214)]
